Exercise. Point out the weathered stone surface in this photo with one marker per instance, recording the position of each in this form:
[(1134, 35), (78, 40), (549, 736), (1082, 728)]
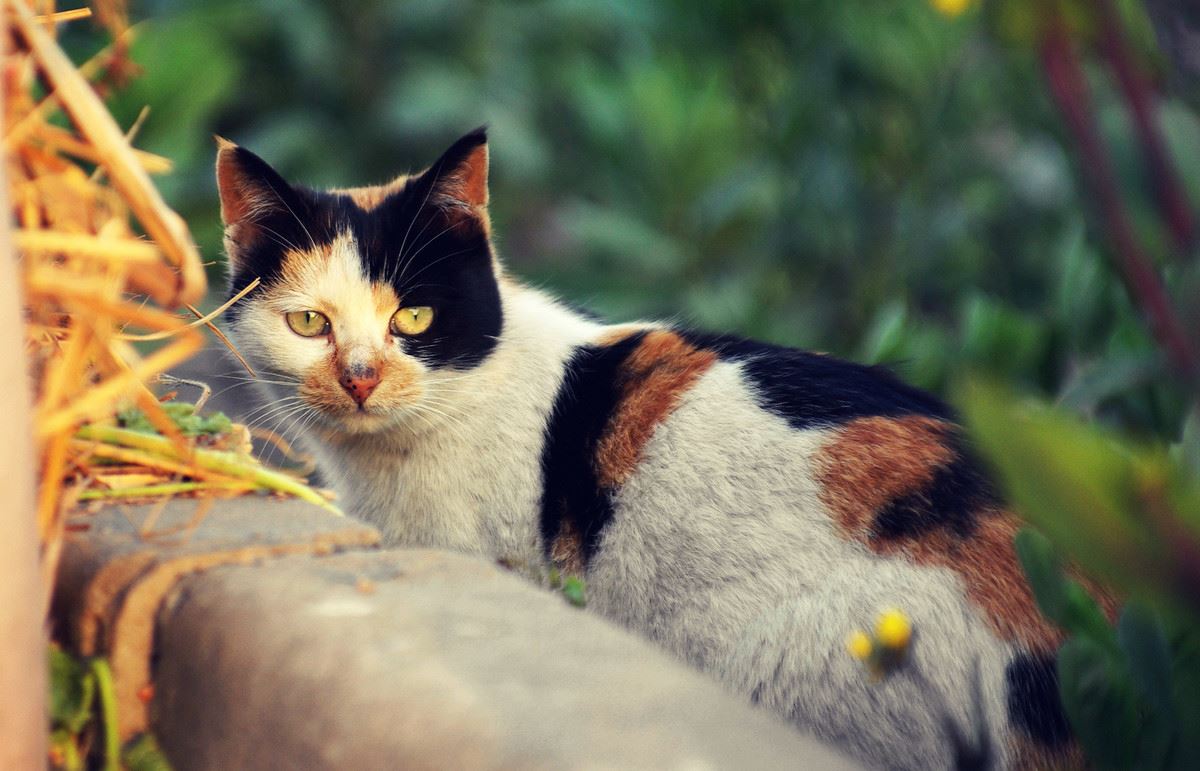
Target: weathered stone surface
[(280, 639), (111, 580), (424, 659)]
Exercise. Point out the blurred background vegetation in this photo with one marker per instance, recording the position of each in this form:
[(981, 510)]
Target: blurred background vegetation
[(908, 182), (881, 179)]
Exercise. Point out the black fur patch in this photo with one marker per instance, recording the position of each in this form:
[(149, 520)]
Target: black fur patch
[(586, 401), (430, 256), (811, 391), (957, 495), (277, 228), (1033, 702)]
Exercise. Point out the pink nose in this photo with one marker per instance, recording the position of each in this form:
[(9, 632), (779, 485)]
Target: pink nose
[(359, 382)]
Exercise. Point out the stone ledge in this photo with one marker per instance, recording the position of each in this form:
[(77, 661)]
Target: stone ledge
[(403, 659), (111, 581)]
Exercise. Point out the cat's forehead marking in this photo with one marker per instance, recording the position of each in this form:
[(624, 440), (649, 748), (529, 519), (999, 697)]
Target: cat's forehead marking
[(369, 198), (333, 275)]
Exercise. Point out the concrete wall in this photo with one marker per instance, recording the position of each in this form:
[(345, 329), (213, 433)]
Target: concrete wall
[(272, 635)]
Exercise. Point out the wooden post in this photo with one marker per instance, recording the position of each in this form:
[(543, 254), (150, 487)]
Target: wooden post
[(22, 636)]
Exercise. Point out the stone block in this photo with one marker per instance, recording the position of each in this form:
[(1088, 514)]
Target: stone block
[(112, 577), (421, 659)]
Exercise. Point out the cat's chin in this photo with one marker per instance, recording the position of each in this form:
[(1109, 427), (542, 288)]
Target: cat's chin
[(360, 422)]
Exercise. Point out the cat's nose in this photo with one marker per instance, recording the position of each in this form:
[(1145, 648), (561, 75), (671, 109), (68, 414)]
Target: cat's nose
[(359, 382)]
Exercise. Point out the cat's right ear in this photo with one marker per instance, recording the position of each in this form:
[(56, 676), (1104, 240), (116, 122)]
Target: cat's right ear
[(251, 192)]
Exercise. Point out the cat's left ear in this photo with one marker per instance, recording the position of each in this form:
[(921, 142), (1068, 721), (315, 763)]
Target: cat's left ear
[(460, 177)]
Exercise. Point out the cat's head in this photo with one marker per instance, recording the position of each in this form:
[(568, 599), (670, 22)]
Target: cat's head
[(372, 300)]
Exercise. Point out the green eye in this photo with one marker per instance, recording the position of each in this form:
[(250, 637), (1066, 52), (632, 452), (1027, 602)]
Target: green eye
[(411, 321), (308, 323)]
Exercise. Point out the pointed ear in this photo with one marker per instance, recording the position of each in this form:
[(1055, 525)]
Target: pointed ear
[(250, 192), (460, 176)]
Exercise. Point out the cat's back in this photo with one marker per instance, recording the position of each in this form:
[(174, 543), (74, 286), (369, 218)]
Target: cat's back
[(749, 505)]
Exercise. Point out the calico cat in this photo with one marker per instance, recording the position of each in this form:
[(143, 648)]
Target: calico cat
[(744, 505)]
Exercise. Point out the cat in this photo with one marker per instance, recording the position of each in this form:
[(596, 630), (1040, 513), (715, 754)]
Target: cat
[(744, 505)]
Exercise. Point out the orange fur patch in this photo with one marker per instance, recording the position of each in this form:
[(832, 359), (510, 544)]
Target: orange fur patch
[(991, 574), (566, 551), (874, 461), (615, 334), (398, 383), (1027, 753), (296, 262), (655, 376), (368, 198)]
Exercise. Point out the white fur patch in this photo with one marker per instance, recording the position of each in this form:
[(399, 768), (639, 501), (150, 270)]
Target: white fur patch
[(721, 549)]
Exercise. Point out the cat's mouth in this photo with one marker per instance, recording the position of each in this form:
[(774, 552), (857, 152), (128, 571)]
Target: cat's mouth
[(362, 418), (341, 412)]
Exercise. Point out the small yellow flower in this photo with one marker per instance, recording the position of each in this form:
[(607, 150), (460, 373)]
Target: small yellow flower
[(950, 7), (859, 645), (893, 629)]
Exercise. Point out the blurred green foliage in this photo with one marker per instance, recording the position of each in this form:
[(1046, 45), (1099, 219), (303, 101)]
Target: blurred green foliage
[(1130, 516), (183, 415), (866, 177)]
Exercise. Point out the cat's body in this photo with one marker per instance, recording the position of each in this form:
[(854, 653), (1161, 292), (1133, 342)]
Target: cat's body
[(746, 506)]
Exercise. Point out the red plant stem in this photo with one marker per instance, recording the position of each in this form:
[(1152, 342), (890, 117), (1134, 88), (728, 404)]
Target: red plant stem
[(1070, 92), (1168, 192)]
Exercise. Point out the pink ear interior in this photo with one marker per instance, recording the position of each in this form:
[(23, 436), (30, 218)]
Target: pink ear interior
[(468, 183)]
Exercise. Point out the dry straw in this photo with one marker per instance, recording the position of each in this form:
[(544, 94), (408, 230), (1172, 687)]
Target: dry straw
[(101, 298)]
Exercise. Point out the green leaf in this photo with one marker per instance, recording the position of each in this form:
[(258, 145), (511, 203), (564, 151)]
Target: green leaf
[(108, 712), (1085, 618), (573, 590), (884, 339), (62, 743), (1044, 573), (999, 338), (1099, 702), (1156, 747), (71, 692), (183, 415), (1110, 377), (1077, 484), (1187, 452), (143, 754), (1060, 599), (1016, 22), (1146, 653), (135, 420), (1183, 636)]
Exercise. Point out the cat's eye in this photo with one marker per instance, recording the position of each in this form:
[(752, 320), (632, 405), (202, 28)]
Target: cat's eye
[(308, 323), (411, 321)]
